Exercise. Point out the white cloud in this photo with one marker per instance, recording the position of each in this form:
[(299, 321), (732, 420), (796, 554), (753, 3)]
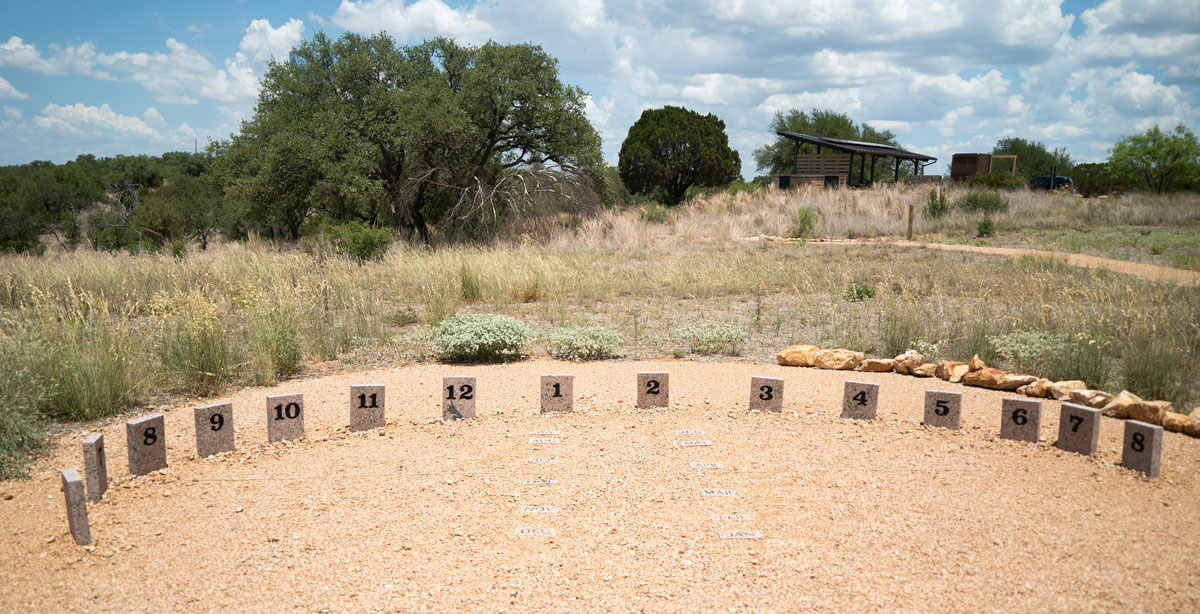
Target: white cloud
[(262, 42), (87, 121), (403, 20), (7, 90), (11, 113)]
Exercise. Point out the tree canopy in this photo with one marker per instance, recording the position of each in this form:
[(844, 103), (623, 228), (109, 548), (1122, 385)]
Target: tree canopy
[(1159, 160), (778, 157), (359, 128), (1033, 159), (671, 149)]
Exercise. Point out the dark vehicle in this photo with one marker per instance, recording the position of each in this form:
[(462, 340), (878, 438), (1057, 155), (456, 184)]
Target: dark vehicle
[(1043, 183)]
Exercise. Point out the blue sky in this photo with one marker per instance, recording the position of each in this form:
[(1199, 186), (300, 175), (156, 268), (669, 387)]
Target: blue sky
[(945, 75)]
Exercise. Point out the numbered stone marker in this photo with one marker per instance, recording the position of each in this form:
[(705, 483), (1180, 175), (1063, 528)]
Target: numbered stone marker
[(544, 441), (147, 444), (458, 398), (541, 460), (729, 517), (766, 394), (1078, 429), (696, 443), (557, 393), (1020, 419), (539, 509), (717, 492), (698, 465), (77, 518), (943, 409), (534, 532), (860, 400), (549, 482), (653, 389), (95, 467), (285, 417), (740, 534), (689, 432), (214, 429), (1143, 447), (366, 406)]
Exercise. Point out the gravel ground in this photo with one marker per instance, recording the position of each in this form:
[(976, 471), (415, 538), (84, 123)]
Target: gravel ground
[(422, 515)]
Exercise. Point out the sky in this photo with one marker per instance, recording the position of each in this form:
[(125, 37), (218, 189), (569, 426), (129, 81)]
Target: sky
[(945, 76)]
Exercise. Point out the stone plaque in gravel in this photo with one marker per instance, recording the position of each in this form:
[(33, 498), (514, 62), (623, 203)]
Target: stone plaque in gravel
[(1143, 447), (540, 482), (652, 389), (366, 406), (696, 465), (1020, 419), (285, 417), (95, 467), (689, 432), (717, 492), (1078, 429), (766, 394), (696, 443), (740, 534), (77, 519), (544, 441), (943, 409), (535, 433), (539, 509), (214, 429), (147, 444), (557, 393), (860, 400), (729, 517), (534, 532), (541, 460), (458, 397)]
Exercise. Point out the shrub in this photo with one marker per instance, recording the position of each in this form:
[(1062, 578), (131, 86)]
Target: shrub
[(275, 339), (1153, 369), (478, 337), (655, 213), (994, 181), (1083, 358), (586, 343), (470, 283), (858, 292), (712, 338), (986, 227), (806, 222), (937, 206), (903, 327), (358, 240), (1031, 352), (22, 392), (986, 202), (198, 350)]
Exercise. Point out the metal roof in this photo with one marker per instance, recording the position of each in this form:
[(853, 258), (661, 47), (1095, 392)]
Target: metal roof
[(856, 147)]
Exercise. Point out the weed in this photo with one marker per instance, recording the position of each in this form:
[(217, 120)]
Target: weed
[(985, 202), (937, 205), (470, 282), (858, 292), (477, 337), (655, 213), (710, 337), (986, 227), (806, 222), (275, 341), (1153, 369), (903, 326), (586, 343), (1029, 352), (197, 348)]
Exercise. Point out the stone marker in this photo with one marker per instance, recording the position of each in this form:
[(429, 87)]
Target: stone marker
[(147, 444), (547, 441), (549, 482), (557, 393), (534, 532), (696, 443), (717, 492), (652, 389), (860, 400), (214, 429), (1142, 450), (539, 509), (689, 432), (458, 397), (943, 409), (729, 517), (541, 460), (545, 432), (766, 394), (740, 534), (285, 417), (1020, 419), (367, 403), (697, 465), (94, 466), (77, 519), (1078, 429)]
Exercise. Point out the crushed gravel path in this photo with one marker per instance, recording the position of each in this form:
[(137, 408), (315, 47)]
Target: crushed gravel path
[(421, 515)]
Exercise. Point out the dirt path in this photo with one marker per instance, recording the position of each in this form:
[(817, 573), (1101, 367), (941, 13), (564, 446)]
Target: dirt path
[(1140, 269), (880, 516)]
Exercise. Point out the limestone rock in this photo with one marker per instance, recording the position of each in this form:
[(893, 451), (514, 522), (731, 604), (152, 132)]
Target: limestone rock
[(1119, 406), (1174, 422), (996, 379), (797, 355), (876, 365), (1037, 390), (1150, 412), (1193, 423), (906, 361), (926, 370), (837, 359), (1062, 390), (976, 364), (945, 368), (1095, 399)]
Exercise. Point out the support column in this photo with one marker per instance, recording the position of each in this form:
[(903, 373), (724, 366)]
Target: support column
[(896, 179)]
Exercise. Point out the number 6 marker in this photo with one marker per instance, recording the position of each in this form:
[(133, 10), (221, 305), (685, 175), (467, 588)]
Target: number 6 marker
[(1020, 419)]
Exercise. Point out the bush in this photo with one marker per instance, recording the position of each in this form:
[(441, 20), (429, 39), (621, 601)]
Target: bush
[(359, 241), (22, 392), (994, 181), (1155, 370), (858, 292), (903, 327), (712, 338), (198, 350), (806, 222), (477, 337), (655, 213), (986, 202), (1033, 352), (276, 343), (1083, 358), (586, 343), (986, 227), (937, 206)]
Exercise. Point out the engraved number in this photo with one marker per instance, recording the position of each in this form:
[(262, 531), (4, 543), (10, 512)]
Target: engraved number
[(362, 401), (1018, 416), (1076, 422), (292, 410), (217, 421), (149, 436), (1139, 442), (557, 390), (861, 398), (652, 387), (766, 393), (941, 408)]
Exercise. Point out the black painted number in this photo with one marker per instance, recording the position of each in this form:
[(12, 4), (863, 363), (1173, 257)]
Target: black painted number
[(766, 393), (1076, 422), (1139, 442), (1018, 416), (362, 401), (466, 392), (557, 390), (941, 408), (217, 421), (860, 398), (149, 436), (652, 387), (291, 410)]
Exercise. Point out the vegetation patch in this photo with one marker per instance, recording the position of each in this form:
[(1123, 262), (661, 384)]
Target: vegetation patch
[(712, 338), (586, 343), (478, 337)]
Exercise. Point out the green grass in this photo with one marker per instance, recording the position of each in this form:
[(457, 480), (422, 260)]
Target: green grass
[(1177, 247)]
